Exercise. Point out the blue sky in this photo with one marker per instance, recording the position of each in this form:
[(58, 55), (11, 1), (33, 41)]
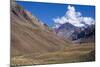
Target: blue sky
[(47, 11)]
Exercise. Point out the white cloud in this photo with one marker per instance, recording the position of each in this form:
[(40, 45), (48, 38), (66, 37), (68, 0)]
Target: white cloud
[(73, 17), (88, 20)]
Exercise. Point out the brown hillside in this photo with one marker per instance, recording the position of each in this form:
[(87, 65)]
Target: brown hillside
[(28, 34), (33, 43)]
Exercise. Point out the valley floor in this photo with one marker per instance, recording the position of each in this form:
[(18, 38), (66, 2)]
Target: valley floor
[(73, 53)]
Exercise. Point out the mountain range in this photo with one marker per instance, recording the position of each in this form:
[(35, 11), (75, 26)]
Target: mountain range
[(76, 34), (32, 42)]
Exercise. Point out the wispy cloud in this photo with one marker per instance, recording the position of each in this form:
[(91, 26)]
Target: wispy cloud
[(73, 17)]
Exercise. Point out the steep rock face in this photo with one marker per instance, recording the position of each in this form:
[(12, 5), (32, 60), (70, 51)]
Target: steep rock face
[(29, 35), (76, 34), (66, 30)]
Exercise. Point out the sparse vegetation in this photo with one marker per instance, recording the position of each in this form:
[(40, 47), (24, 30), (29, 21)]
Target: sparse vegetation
[(32, 43), (69, 54)]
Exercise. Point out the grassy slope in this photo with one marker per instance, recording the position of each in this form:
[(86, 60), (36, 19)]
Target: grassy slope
[(75, 53)]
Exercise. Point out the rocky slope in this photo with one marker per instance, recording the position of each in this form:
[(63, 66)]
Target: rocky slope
[(76, 34), (29, 35)]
